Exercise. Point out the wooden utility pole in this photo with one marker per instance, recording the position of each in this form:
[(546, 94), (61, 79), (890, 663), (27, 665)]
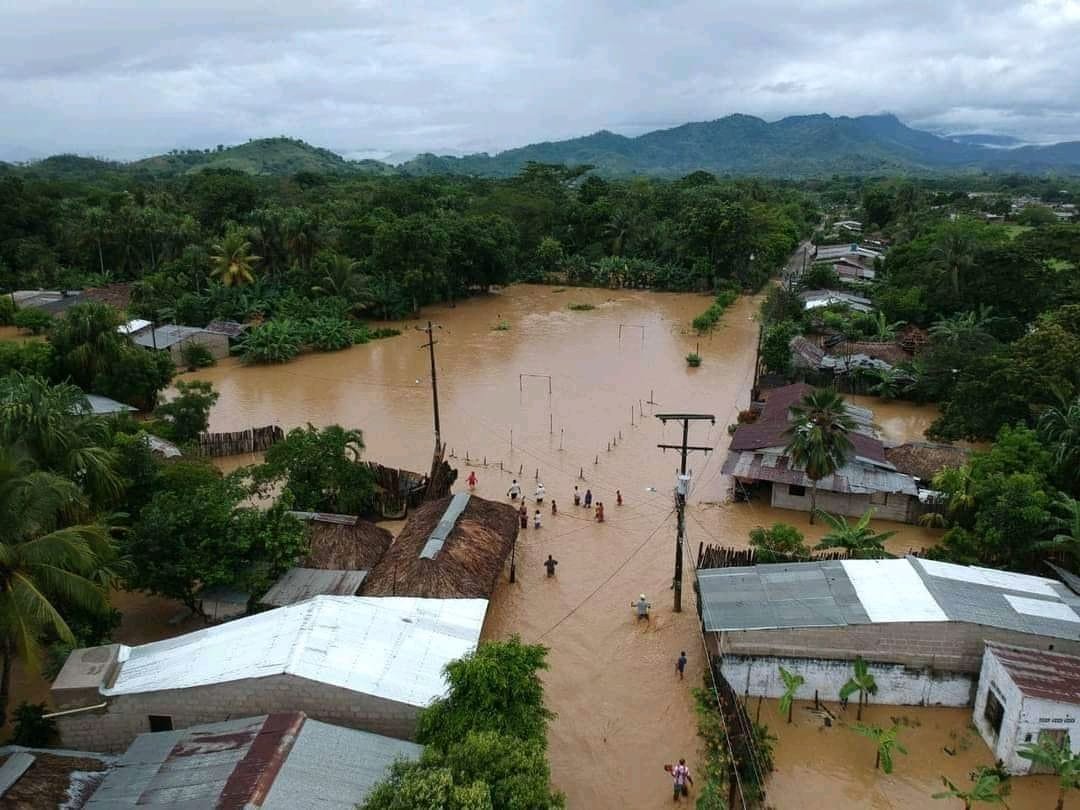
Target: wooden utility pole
[(682, 488), (430, 346)]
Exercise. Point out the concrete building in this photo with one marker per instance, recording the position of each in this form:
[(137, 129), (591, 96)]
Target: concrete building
[(921, 625), (272, 762), (757, 458), (367, 663), (173, 339), (1024, 696)]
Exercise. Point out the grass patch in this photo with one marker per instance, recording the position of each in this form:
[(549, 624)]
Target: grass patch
[(580, 307)]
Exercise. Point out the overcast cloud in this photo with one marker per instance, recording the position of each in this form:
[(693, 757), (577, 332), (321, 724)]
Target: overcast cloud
[(125, 79)]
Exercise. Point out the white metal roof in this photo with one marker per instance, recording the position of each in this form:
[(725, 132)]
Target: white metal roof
[(132, 326), (390, 647), (991, 577), (892, 591)]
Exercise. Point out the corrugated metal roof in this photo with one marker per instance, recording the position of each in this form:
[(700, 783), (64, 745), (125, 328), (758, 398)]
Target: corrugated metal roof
[(100, 405), (445, 525), (857, 476), (390, 647), (165, 336), (272, 762), (1040, 674), (837, 593), (133, 326), (298, 584)]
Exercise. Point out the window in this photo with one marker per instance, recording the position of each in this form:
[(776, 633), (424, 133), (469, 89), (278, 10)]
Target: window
[(796, 490), (994, 711), (160, 722)]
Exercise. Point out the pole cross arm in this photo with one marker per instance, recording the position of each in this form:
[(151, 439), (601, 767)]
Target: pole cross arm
[(664, 417), (684, 447)]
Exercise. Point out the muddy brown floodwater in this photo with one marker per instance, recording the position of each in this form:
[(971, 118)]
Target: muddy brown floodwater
[(622, 712)]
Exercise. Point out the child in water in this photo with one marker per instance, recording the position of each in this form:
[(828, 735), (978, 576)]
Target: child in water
[(536, 520)]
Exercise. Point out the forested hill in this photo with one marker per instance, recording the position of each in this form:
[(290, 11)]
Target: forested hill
[(802, 146), (799, 146)]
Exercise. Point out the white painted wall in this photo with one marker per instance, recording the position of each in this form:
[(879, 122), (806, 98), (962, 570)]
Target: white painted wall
[(1024, 717), (897, 685)]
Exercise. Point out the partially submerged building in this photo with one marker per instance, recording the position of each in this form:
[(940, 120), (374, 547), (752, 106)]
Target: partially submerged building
[(450, 548), (921, 625), (278, 761), (173, 338), (758, 459), (363, 663), (1026, 696)]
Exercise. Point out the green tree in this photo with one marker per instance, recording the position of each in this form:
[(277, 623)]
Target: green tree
[(86, 343), (987, 787), (776, 346), (231, 260), (1066, 527), (792, 682), (49, 561), (320, 469), (818, 437), (862, 682), (1058, 758), (780, 542), (498, 689), (858, 539), (886, 742), (955, 251), (188, 413), (342, 277), (33, 320), (1059, 428)]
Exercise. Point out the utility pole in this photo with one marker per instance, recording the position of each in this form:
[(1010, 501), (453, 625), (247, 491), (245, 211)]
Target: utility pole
[(430, 346), (682, 489)]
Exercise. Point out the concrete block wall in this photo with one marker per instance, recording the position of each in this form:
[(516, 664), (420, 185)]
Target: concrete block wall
[(114, 728), (897, 685), (942, 646), (217, 344), (897, 507)]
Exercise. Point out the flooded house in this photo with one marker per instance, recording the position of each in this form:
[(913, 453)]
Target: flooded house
[(924, 627), (173, 338), (451, 548), (758, 461), (359, 662), (1024, 696), (274, 762)]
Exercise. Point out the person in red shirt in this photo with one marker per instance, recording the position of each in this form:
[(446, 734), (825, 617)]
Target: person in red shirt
[(471, 480)]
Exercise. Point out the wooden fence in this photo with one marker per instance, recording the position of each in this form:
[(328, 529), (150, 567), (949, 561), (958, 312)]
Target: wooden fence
[(252, 440), (396, 490), (710, 556)]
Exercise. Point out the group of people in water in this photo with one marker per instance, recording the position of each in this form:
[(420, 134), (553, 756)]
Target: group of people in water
[(515, 492)]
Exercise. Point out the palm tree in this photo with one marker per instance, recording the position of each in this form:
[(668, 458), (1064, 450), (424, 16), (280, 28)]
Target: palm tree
[(1059, 427), (886, 741), (618, 227), (862, 682), (1057, 758), (818, 437), (959, 485), (883, 329), (303, 236), (956, 253), (231, 261), (46, 564), (342, 277), (964, 326), (1066, 524), (988, 788), (887, 383), (792, 682), (859, 539)]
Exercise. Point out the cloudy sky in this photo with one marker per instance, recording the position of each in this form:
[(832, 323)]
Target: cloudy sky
[(125, 79)]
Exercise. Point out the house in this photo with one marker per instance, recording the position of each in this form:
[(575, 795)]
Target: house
[(1024, 696), (343, 542), (846, 251), (818, 299), (270, 762), (853, 270), (451, 548), (133, 326), (173, 339), (49, 777), (921, 625), (923, 460), (298, 584), (104, 406), (233, 330), (55, 302), (849, 224), (354, 661), (757, 458)]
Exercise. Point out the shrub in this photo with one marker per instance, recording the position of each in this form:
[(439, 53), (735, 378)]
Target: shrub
[(7, 310), (710, 317), (580, 307), (32, 728), (189, 413), (693, 359), (326, 334), (385, 332), (778, 543), (276, 341), (34, 321), (501, 326), (29, 357), (196, 355)]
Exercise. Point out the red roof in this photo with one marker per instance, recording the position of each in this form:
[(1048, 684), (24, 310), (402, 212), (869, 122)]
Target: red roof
[(770, 428), (1040, 674)]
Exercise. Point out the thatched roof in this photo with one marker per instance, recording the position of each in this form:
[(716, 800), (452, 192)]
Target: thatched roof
[(468, 563), (888, 351), (343, 542), (924, 460), (117, 295)]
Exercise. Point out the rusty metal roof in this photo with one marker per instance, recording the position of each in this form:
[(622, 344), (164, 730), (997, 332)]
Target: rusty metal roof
[(1038, 673), (272, 761), (856, 477), (298, 584)]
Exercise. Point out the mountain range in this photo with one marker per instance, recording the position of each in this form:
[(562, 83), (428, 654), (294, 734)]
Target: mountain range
[(798, 146)]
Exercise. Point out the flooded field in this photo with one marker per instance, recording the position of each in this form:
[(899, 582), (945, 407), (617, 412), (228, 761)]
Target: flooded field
[(568, 398), (819, 768)]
